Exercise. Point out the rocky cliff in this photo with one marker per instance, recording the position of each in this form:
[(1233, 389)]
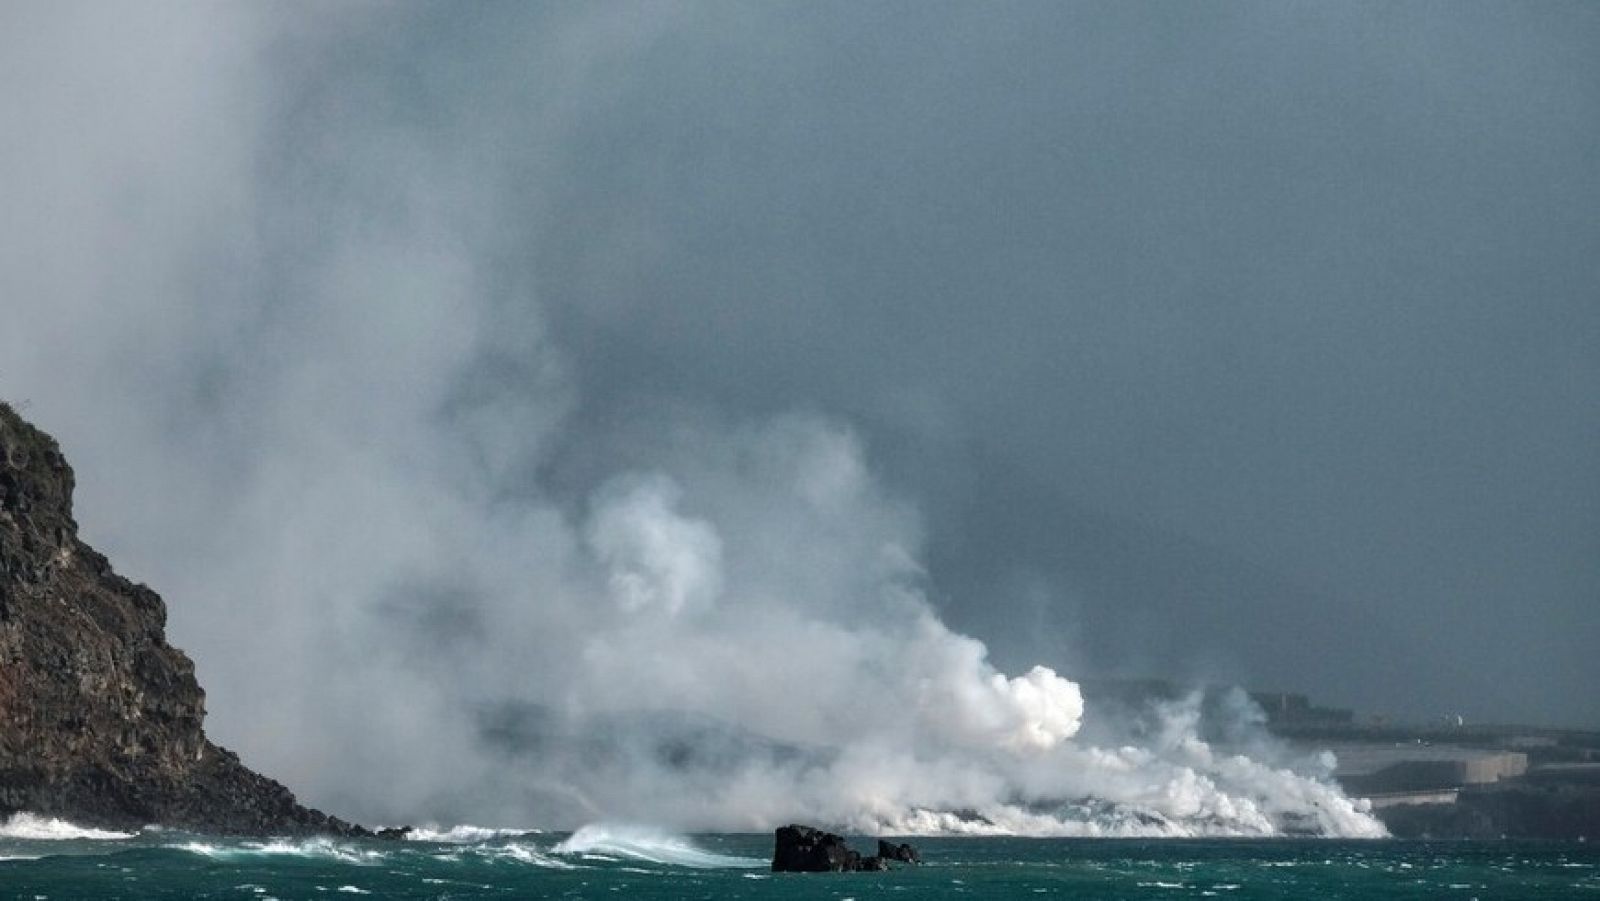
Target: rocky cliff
[(100, 719)]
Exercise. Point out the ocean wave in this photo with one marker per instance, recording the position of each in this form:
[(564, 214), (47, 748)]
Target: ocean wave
[(525, 854), (649, 845), (312, 847), (464, 834), (31, 827)]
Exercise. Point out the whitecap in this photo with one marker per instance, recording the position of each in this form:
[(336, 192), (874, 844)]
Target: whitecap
[(525, 854), (31, 827), (463, 834), (649, 845), (312, 847)]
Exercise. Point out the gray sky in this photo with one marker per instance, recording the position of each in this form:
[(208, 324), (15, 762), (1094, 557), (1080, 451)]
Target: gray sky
[(1255, 342)]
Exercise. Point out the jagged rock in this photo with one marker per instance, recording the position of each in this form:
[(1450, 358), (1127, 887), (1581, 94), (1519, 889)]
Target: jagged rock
[(802, 849), (394, 833), (101, 719), (901, 852)]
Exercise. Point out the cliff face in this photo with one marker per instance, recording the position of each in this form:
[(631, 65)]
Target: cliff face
[(101, 719)]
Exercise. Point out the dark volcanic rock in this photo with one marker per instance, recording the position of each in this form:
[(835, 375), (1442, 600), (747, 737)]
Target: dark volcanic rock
[(100, 718), (802, 849), (901, 852), (394, 833), (871, 864)]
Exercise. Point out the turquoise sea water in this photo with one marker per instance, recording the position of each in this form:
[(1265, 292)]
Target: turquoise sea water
[(610, 862)]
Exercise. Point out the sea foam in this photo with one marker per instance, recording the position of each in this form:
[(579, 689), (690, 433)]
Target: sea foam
[(463, 834), (649, 845), (312, 847), (32, 827)]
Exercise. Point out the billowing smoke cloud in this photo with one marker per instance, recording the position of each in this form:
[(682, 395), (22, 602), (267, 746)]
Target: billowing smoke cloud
[(424, 576)]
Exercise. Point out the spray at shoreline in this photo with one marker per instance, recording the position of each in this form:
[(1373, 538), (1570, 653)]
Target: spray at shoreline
[(833, 692)]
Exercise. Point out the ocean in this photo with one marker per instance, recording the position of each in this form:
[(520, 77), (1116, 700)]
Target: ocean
[(42, 859)]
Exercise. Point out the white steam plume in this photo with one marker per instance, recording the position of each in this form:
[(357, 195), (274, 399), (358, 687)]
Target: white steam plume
[(270, 322)]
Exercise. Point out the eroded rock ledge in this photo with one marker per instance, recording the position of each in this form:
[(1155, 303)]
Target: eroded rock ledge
[(802, 849), (101, 721)]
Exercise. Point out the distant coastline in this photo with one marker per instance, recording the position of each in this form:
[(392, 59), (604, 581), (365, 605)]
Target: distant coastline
[(1439, 779)]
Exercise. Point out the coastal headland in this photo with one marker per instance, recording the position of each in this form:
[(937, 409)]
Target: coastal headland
[(101, 720)]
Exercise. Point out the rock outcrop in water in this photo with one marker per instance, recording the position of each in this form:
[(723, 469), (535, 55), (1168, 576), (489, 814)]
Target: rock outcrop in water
[(101, 719), (901, 852), (802, 849)]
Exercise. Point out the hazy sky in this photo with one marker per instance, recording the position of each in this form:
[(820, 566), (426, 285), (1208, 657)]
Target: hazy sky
[(1251, 341), (1247, 341)]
